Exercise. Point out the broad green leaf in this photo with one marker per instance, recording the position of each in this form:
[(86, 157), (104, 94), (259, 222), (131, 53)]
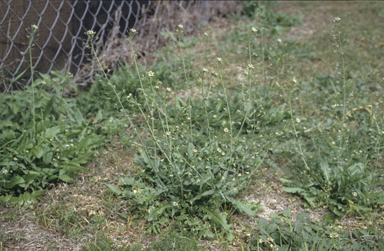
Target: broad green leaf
[(155, 212), (51, 132), (17, 180), (47, 157), (66, 178), (293, 190), (325, 168), (99, 116), (242, 207), (206, 193), (71, 167), (5, 198), (113, 189), (126, 181), (38, 193), (38, 152), (220, 220), (79, 117)]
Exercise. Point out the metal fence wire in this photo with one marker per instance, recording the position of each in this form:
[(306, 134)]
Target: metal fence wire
[(60, 42)]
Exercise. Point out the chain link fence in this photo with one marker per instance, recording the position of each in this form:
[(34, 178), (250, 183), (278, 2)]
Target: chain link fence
[(60, 42)]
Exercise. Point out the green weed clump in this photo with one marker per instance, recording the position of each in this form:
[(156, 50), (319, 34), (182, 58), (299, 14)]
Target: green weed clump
[(280, 233), (335, 171), (44, 138), (193, 163)]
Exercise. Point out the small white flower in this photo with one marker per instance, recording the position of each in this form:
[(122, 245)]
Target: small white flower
[(5, 171), (354, 194), (150, 74), (254, 30), (168, 133), (226, 130), (294, 80), (298, 120), (133, 31), (250, 66), (279, 40), (169, 89), (180, 27), (134, 191), (219, 60), (239, 175), (205, 70), (214, 116), (175, 204), (129, 96), (219, 150), (195, 150), (90, 33), (34, 27), (14, 159), (337, 19)]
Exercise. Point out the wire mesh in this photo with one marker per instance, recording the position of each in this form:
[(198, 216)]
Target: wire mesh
[(60, 42)]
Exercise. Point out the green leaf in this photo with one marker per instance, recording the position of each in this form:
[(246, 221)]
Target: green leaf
[(15, 181), (325, 168), (331, 218), (79, 117), (206, 193), (293, 190), (51, 132), (155, 212), (17, 77), (99, 116), (242, 207), (71, 167), (48, 107), (113, 189), (126, 181), (279, 30), (47, 158), (66, 178), (5, 198), (38, 152), (220, 220)]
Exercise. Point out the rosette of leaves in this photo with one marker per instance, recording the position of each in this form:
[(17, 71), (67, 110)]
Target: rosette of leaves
[(45, 147), (283, 234), (342, 189), (189, 186)]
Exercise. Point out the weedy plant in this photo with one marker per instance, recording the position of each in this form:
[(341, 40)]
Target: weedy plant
[(194, 163), (44, 137), (336, 174), (280, 233)]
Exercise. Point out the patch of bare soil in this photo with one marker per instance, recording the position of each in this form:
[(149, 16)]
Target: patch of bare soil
[(25, 234)]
